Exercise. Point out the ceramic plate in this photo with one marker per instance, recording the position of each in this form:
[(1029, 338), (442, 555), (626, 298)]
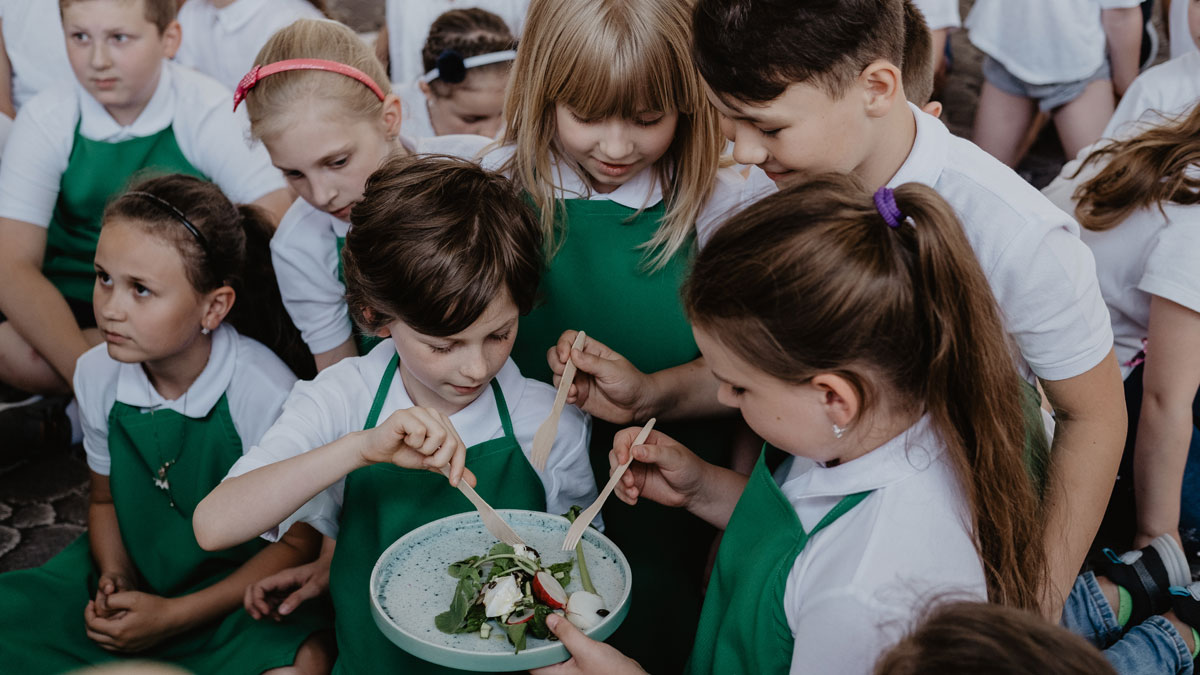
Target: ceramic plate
[(410, 586)]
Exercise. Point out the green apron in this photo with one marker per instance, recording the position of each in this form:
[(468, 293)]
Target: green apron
[(743, 628), (1037, 446), (598, 282), (96, 172), (42, 629), (382, 502), (364, 342)]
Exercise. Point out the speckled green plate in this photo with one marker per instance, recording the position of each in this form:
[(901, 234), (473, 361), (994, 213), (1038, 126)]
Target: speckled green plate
[(410, 586)]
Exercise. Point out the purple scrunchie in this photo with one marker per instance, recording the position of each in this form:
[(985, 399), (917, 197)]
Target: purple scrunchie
[(885, 203)]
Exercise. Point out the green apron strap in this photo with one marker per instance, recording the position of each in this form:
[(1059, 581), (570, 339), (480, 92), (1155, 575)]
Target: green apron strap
[(848, 502), (385, 385), (502, 408)]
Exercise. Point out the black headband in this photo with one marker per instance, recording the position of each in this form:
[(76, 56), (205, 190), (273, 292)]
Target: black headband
[(174, 212)]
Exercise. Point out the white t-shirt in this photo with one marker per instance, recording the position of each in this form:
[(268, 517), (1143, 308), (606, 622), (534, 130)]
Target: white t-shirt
[(408, 23), (1146, 255), (253, 380), (338, 401), (940, 13), (858, 584), (730, 194), (211, 136), (1181, 38), (305, 256), (414, 120), (1160, 94), (222, 43), (1041, 41), (1043, 276), (36, 46)]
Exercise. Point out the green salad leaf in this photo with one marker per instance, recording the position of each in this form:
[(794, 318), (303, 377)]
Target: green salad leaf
[(454, 620), (516, 635), (563, 568)]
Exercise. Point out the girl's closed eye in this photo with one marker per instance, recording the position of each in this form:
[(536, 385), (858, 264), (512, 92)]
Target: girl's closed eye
[(649, 119), (339, 162), (768, 132)]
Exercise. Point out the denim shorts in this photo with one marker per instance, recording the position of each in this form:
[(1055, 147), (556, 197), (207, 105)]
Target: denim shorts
[(1048, 96)]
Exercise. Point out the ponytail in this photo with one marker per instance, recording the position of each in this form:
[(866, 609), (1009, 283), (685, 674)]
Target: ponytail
[(905, 314), (1158, 166)]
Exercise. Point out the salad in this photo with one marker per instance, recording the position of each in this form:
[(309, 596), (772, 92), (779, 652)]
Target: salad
[(509, 589)]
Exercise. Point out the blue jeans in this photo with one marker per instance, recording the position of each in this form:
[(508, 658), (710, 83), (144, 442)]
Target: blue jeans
[(1153, 646)]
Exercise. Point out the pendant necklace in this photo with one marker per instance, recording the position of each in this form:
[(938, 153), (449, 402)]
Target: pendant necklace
[(160, 478)]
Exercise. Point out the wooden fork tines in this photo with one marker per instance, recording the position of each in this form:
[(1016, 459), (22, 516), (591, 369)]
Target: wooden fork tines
[(581, 522), (543, 440), (491, 520)]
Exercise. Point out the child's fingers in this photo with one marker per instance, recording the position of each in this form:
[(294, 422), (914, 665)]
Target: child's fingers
[(291, 602)]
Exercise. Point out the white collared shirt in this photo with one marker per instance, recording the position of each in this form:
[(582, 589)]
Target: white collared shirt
[(1042, 275), (1157, 96), (1181, 38), (36, 47), (338, 401), (859, 583), (222, 43), (254, 381), (415, 121), (408, 23), (1043, 41), (210, 135), (940, 14), (305, 256)]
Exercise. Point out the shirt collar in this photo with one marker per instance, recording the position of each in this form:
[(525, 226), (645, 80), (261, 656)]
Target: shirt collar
[(134, 388), (96, 124), (238, 14), (927, 158), (640, 192), (908, 454)]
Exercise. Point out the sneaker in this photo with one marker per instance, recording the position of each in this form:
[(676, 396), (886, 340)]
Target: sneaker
[(1148, 574), (32, 426)]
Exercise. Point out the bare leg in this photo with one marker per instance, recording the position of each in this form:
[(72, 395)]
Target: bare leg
[(1184, 630), (1000, 123), (314, 657), (1081, 122)]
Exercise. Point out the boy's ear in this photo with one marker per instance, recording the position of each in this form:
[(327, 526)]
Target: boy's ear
[(220, 302), (933, 108), (881, 85), (392, 115), (172, 37)]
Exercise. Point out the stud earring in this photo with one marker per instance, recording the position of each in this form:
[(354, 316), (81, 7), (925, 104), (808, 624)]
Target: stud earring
[(838, 432), (204, 330)]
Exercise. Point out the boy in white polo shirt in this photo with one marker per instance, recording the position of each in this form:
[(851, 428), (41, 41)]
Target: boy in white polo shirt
[(826, 95), (74, 146), (33, 51)]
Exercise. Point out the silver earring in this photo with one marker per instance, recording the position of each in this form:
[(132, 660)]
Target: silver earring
[(204, 330), (838, 432)]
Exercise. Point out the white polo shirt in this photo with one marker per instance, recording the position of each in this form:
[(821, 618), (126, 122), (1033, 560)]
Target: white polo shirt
[(198, 109), (1043, 276), (305, 256), (1182, 41), (338, 401), (1159, 95), (1043, 41), (859, 583), (730, 193), (222, 43), (414, 120), (940, 13), (251, 377), (408, 23), (36, 47)]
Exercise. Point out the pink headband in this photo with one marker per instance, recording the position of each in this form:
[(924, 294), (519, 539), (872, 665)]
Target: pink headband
[(257, 73)]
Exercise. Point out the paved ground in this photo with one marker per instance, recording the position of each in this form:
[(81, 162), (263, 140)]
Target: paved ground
[(43, 503)]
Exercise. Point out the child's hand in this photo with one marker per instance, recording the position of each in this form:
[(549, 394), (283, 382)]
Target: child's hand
[(663, 470), (111, 582), (281, 593), (587, 655), (140, 621), (606, 384), (418, 438)]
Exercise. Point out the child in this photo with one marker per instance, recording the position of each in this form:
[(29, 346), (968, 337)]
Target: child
[(904, 483), (171, 400), (1054, 54), (321, 105), (613, 142), (1160, 94), (824, 93), (409, 21), (467, 58), (445, 281), (33, 55), (1184, 25), (918, 72), (75, 146), (942, 18), (221, 37)]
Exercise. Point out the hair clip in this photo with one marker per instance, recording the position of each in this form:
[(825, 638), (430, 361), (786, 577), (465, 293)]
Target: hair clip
[(257, 73), (173, 212), (452, 68), (885, 203)]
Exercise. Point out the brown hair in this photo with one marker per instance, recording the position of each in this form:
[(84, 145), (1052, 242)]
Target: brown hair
[(612, 58), (158, 12), (811, 280), (470, 32), (988, 639), (236, 252), (752, 50), (273, 97), (1155, 167), (434, 240), (916, 72)]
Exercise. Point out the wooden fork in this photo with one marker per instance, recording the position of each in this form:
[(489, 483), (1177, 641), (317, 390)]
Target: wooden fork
[(581, 522), (491, 520), (543, 440)]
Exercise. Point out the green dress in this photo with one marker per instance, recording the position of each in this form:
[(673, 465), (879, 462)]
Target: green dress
[(598, 282), (42, 628), (96, 172), (382, 502), (743, 628)]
